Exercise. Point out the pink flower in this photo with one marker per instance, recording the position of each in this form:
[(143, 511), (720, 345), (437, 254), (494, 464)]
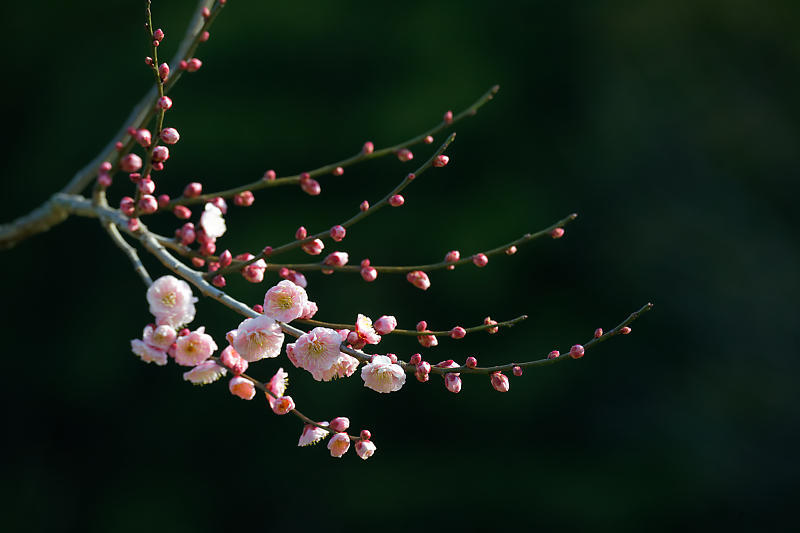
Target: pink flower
[(337, 259), (499, 381), (283, 405), (309, 310), (318, 349), (285, 301), (277, 386), (344, 367), (171, 301), (428, 341), (291, 355), (257, 338), (339, 444), (161, 337), (385, 324), (312, 434), (419, 279), (231, 359), (365, 449), (382, 375), (205, 373), (242, 387), (148, 354), (194, 348), (365, 330), (314, 247), (340, 424), (212, 222)]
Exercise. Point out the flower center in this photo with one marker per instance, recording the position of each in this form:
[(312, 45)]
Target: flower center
[(169, 299), (284, 301)]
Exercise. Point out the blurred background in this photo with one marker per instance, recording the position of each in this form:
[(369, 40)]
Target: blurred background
[(671, 129)]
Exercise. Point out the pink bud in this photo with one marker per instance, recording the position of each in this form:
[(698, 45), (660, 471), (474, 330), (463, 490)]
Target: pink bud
[(421, 377), (339, 444), (118, 146), (314, 247), (130, 163), (365, 434), (163, 71), (553, 354), (244, 199), (135, 177), (266, 251), (219, 203), (165, 102), (364, 206), (148, 61), (517, 370), (369, 273), (133, 224), (104, 180), (448, 117), (193, 189), (576, 352), (337, 259), (243, 388), (258, 308), (301, 233), (182, 212), (338, 232), (440, 161), (127, 205), (471, 362), (206, 12), (385, 324), (340, 424), (105, 166), (424, 367), (557, 233), (204, 36), (219, 281), (368, 148), (452, 257), (453, 382), (419, 279), (198, 262), (148, 204), (489, 322), (480, 260), (499, 381), (511, 250), (283, 405), (397, 200), (428, 341), (405, 155), (146, 186), (207, 248), (143, 137), (269, 175), (428, 139), (170, 135), (158, 166), (458, 332), (163, 201), (158, 35), (338, 171), (625, 330), (160, 153), (183, 64), (311, 187), (598, 333), (193, 65), (225, 258), (416, 359), (422, 325)]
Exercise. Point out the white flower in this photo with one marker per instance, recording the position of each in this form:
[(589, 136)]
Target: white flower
[(381, 375), (212, 222)]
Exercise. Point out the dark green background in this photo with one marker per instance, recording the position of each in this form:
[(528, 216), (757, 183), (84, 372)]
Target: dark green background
[(671, 128)]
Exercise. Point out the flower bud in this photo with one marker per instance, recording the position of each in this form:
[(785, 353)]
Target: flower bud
[(148, 204), (193, 65), (165, 102), (219, 281), (146, 186), (182, 212), (365, 448), (104, 180), (397, 200), (160, 153), (487, 322), (368, 148), (471, 362), (244, 199), (363, 206), (163, 71), (269, 175), (576, 352), (453, 382), (452, 257), (130, 163), (338, 232), (193, 189), (441, 161), (127, 205), (458, 332), (283, 405), (339, 444), (499, 381), (428, 139), (405, 155), (415, 359), (314, 247), (448, 117), (598, 333), (419, 279), (338, 171), (144, 138), (517, 370), (133, 224), (625, 330), (557, 233), (163, 201), (365, 434), (311, 187), (369, 273), (553, 354), (170, 135), (480, 260), (340, 424), (385, 325), (158, 35), (204, 36)]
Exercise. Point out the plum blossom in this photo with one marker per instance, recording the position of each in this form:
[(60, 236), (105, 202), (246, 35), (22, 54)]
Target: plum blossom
[(312, 434), (194, 348), (148, 354), (160, 337), (365, 330), (318, 349), (291, 354), (205, 373), (385, 324), (339, 444), (283, 405), (365, 449), (344, 367), (277, 386), (242, 387), (285, 301), (254, 272), (231, 359), (381, 375), (257, 338), (212, 222), (171, 301), (309, 310)]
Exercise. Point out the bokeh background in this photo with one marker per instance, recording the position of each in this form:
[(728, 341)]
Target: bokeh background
[(671, 128)]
